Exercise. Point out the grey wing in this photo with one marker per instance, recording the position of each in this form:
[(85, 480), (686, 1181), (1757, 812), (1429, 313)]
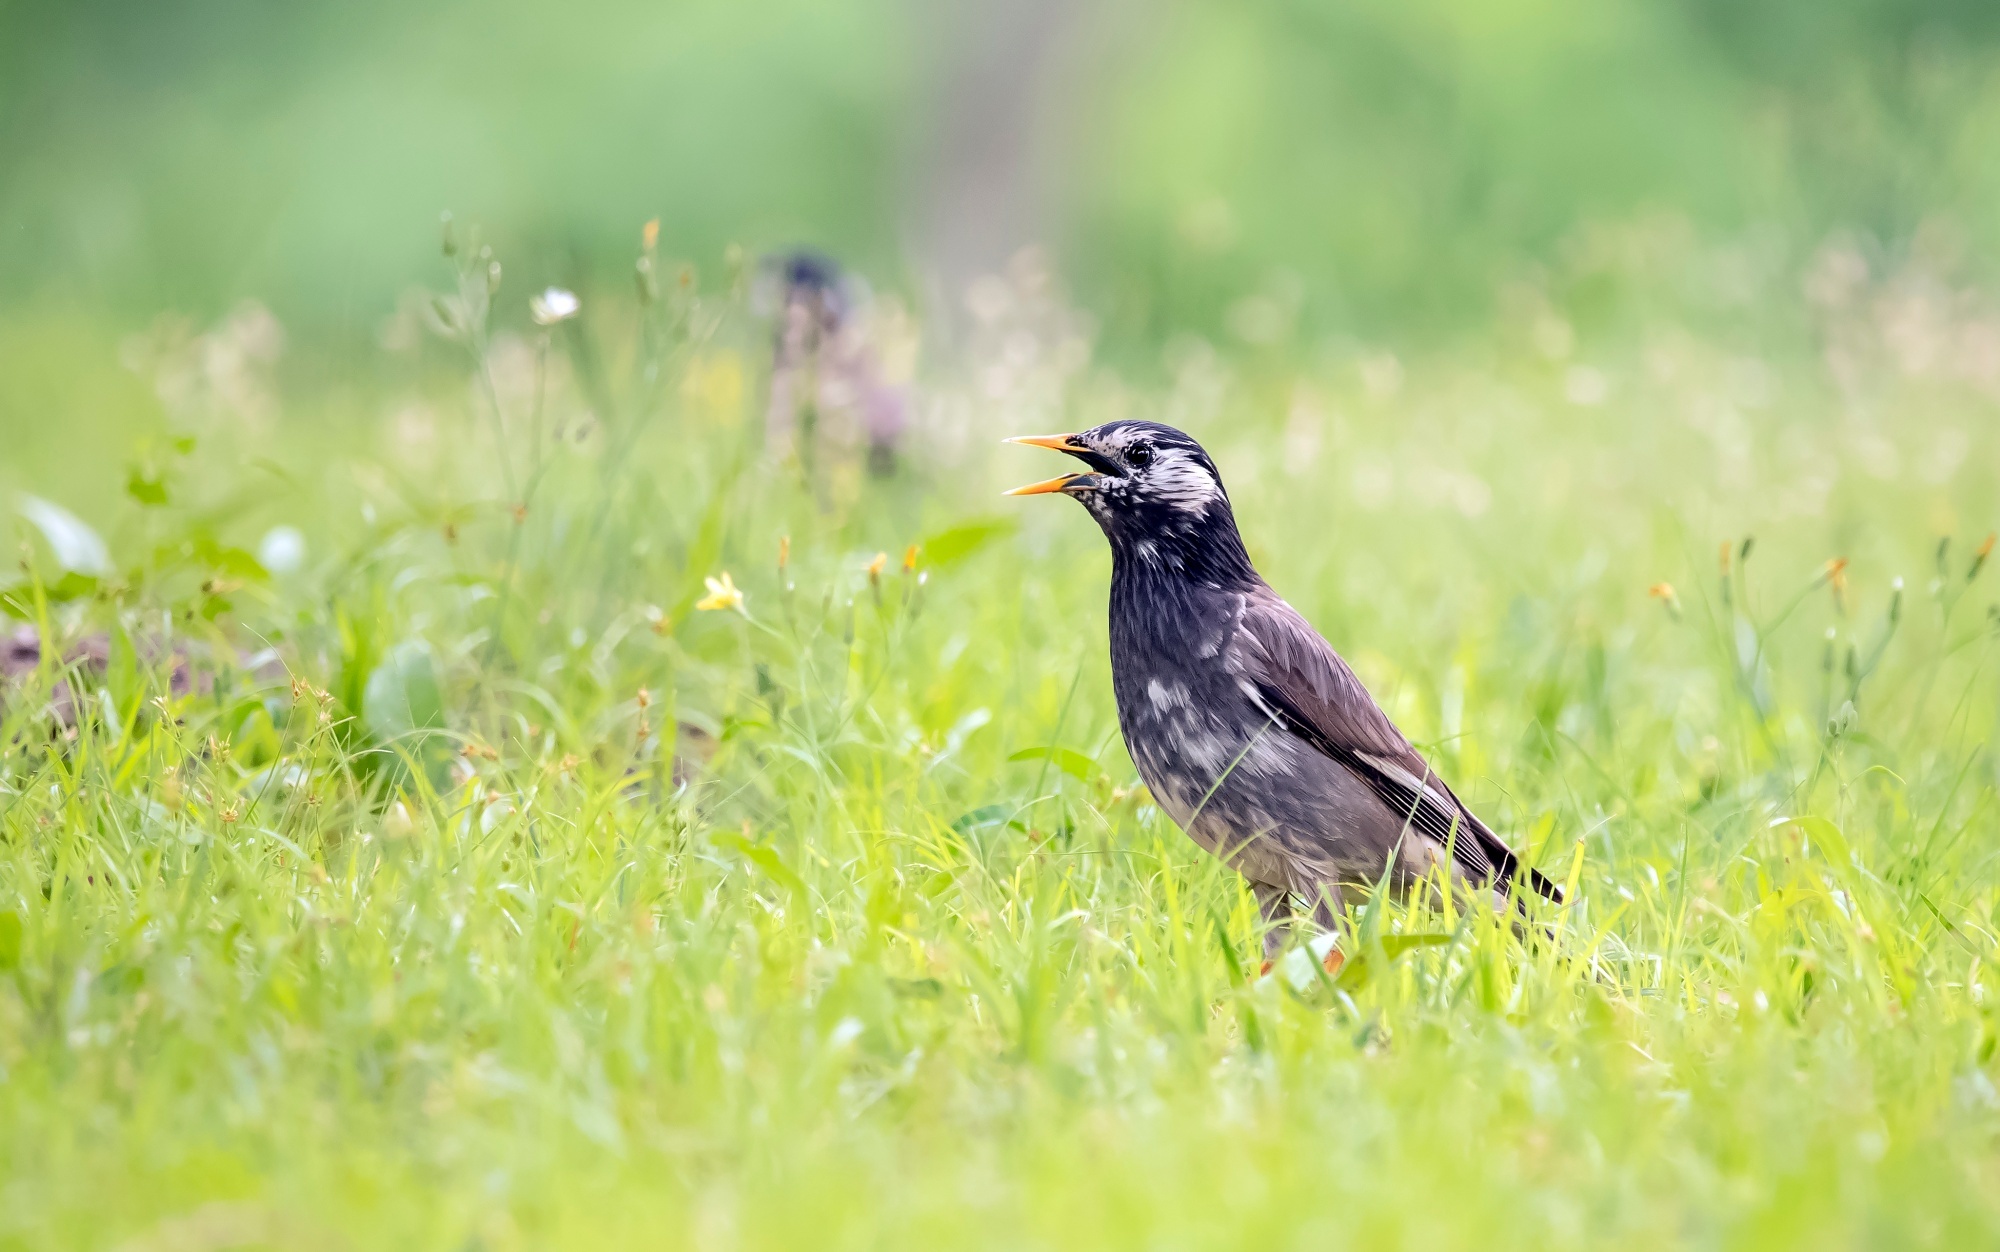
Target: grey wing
[(1310, 690)]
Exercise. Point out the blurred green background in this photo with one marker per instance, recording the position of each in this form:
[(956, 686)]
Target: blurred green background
[(1380, 165)]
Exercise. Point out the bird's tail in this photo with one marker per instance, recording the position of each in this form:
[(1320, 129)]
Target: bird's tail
[(1507, 867), (1544, 886)]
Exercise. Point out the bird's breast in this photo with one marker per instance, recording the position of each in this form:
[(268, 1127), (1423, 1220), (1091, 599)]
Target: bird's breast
[(1200, 743)]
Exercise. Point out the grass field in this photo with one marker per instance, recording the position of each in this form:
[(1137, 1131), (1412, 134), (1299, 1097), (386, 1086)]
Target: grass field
[(485, 890)]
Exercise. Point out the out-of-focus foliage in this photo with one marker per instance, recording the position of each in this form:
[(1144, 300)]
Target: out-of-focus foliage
[(1361, 167), (187, 155), (1385, 165)]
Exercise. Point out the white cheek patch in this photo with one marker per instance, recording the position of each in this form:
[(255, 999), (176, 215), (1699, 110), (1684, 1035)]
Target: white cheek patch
[(1177, 479)]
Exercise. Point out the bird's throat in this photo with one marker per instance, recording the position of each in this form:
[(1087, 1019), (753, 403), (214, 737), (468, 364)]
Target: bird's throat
[(1170, 546)]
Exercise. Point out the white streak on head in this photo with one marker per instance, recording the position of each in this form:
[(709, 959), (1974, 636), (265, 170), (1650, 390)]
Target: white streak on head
[(1175, 478)]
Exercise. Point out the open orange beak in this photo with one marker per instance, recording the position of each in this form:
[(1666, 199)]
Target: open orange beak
[(1045, 486), (1059, 443)]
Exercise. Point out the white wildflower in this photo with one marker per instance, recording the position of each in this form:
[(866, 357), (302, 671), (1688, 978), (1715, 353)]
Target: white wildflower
[(556, 304)]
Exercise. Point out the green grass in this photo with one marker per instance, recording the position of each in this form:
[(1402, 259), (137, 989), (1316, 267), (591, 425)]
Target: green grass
[(531, 905)]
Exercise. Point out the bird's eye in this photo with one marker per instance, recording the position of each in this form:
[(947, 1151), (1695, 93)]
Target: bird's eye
[(1140, 456)]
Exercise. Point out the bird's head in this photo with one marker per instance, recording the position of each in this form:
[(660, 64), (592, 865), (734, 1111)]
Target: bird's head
[(1153, 489)]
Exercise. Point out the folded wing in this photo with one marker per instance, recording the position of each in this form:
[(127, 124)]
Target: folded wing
[(1305, 685)]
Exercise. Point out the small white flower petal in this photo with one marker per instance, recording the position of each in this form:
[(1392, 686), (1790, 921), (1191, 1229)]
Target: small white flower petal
[(556, 304)]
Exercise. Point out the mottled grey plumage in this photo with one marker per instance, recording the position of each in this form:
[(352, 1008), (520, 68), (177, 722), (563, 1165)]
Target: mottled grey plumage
[(1249, 729)]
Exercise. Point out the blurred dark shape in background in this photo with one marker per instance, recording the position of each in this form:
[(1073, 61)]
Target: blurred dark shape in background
[(89, 657), (828, 389), (20, 652)]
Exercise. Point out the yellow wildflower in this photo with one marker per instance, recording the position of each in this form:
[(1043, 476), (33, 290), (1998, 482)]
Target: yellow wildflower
[(722, 594)]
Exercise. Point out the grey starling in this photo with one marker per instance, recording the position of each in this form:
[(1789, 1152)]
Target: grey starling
[(1249, 729)]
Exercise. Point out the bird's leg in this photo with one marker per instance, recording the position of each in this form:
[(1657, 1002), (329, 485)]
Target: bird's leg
[(1274, 904), (1326, 919)]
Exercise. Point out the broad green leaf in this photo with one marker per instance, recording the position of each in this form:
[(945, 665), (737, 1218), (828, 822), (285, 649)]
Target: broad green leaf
[(986, 815), (1068, 760), (949, 546), (1832, 842), (148, 487), (402, 704), (766, 858), (76, 546), (1360, 968), (402, 693)]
